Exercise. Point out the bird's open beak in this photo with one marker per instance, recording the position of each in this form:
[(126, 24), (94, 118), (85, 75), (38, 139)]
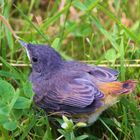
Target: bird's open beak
[(25, 45)]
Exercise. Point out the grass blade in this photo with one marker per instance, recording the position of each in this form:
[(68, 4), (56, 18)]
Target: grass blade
[(109, 129)]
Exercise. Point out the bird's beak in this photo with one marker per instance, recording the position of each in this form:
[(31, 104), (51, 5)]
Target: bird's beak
[(25, 45)]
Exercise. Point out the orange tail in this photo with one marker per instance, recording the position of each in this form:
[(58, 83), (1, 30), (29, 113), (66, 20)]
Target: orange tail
[(118, 87)]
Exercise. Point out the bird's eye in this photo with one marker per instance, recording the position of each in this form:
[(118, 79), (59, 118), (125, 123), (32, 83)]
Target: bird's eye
[(34, 59)]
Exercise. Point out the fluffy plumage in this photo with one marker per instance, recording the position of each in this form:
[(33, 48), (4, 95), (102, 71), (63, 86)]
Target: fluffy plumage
[(72, 87)]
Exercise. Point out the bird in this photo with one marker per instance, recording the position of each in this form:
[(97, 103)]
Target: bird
[(72, 88)]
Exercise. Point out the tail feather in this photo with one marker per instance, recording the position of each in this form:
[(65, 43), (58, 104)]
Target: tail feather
[(117, 88)]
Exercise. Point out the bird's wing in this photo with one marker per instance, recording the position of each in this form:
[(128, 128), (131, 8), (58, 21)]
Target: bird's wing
[(78, 92), (104, 74)]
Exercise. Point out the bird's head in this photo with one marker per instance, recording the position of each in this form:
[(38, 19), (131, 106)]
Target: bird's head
[(42, 57)]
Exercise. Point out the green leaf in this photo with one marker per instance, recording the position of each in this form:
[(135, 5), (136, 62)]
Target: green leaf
[(65, 119), (22, 103), (14, 99), (11, 125), (27, 88), (61, 131), (6, 91), (111, 55), (82, 137), (3, 118), (55, 43), (4, 110), (68, 124), (18, 113)]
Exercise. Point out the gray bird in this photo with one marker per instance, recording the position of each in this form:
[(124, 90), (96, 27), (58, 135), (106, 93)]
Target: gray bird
[(70, 87)]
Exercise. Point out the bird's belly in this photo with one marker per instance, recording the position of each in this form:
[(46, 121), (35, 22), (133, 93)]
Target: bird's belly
[(108, 101)]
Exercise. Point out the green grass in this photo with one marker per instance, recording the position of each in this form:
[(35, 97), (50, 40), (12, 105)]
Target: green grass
[(90, 31)]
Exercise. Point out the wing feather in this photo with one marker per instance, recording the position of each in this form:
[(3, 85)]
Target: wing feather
[(104, 74), (80, 92)]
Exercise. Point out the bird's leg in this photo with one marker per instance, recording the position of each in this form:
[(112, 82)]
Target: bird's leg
[(60, 113), (83, 119)]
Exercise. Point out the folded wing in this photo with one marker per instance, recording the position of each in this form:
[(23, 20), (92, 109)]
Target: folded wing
[(78, 92), (104, 74)]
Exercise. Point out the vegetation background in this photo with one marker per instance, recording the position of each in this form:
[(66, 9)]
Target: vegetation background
[(101, 32)]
